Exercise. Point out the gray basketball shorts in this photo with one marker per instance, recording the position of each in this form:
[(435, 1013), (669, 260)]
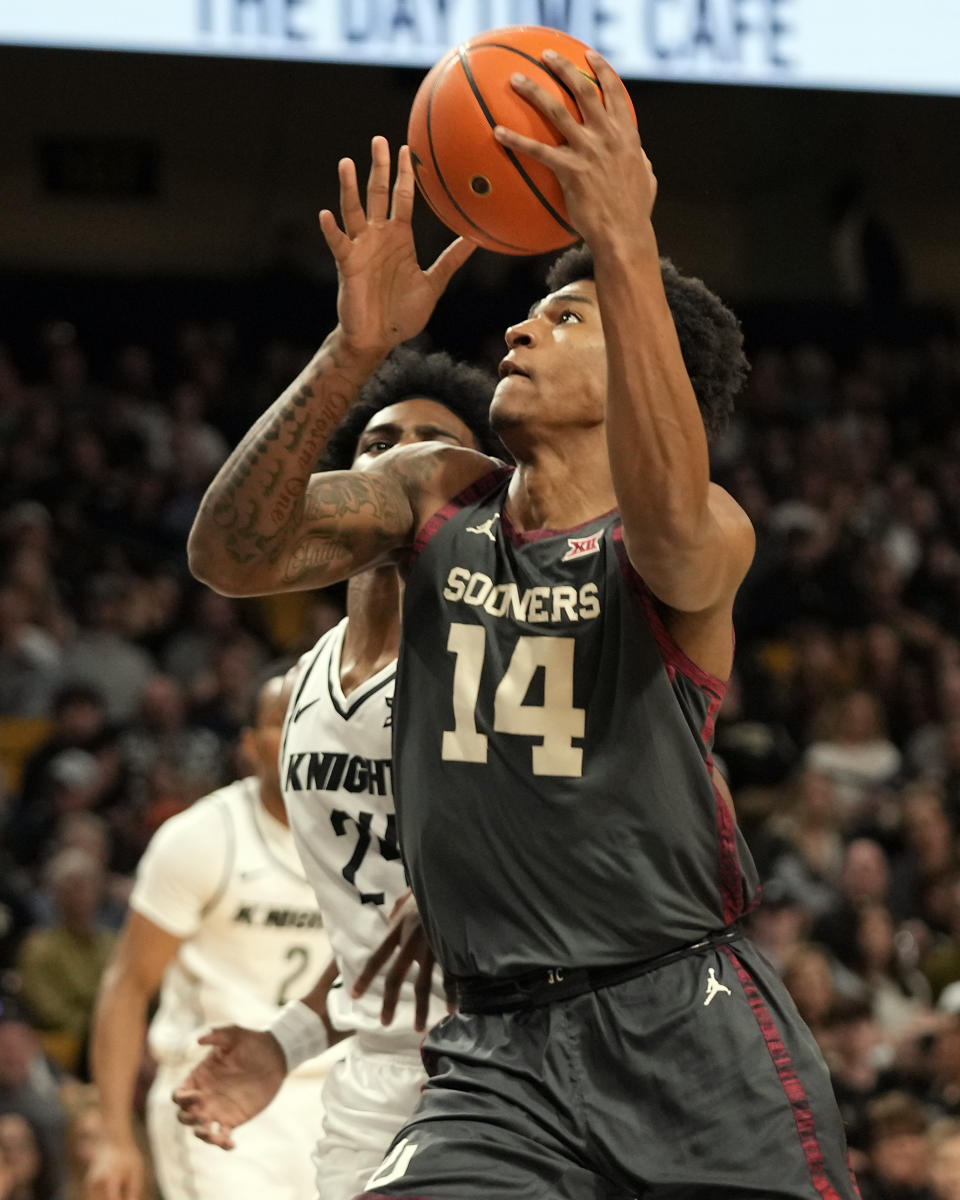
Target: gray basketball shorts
[(697, 1079)]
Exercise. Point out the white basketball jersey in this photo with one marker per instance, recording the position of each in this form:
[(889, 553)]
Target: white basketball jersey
[(337, 777), (225, 877)]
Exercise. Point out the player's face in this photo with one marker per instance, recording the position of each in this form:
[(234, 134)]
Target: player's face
[(555, 369), (408, 422)]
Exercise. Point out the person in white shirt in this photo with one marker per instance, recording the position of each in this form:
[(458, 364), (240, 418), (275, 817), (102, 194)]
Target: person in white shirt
[(224, 923), (336, 774)]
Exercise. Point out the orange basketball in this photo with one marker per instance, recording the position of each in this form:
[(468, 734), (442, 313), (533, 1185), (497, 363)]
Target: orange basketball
[(478, 188)]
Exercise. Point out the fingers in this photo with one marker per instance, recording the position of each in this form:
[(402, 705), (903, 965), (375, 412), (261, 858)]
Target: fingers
[(422, 991), (450, 260), (615, 99), (207, 1129), (404, 188), (351, 210), (378, 182), (223, 1037), (375, 963)]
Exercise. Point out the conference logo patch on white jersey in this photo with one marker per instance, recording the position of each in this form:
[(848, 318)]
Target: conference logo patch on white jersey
[(581, 547)]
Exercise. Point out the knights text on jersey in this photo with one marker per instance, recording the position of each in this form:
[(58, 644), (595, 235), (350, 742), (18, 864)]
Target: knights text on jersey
[(552, 751), (336, 770)]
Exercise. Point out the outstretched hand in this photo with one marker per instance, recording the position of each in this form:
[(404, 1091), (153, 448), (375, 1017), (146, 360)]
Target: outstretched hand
[(607, 180), (406, 943), (236, 1081), (384, 297)]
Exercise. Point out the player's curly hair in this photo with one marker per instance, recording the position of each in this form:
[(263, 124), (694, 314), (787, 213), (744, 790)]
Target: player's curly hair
[(711, 340), (407, 374)]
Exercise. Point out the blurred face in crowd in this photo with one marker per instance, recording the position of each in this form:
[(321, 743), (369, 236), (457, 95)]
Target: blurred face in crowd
[(19, 1150), (17, 1049), (900, 1159), (944, 1165), (866, 873)]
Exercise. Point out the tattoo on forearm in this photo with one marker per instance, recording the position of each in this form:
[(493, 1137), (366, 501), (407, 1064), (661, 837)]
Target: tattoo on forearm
[(255, 499)]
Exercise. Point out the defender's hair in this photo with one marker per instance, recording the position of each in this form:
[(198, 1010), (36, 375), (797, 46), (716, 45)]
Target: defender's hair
[(409, 374)]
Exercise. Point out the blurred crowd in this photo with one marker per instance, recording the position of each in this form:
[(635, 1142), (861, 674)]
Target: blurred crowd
[(124, 684)]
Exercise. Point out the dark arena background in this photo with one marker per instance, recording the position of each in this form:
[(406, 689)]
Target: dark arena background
[(164, 277)]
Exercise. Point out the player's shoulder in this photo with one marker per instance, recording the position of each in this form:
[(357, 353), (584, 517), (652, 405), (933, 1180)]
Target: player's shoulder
[(206, 817), (736, 526)]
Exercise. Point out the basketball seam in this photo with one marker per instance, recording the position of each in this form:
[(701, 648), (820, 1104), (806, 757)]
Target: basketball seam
[(436, 166), (518, 166)]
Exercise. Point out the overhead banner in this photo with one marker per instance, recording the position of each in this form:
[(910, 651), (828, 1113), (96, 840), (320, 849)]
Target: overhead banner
[(869, 45)]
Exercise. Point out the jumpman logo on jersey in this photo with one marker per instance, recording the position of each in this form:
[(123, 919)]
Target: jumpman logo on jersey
[(714, 987), (486, 527)]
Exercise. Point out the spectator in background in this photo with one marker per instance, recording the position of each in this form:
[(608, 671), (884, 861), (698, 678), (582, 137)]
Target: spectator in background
[(943, 1097), (898, 993), (864, 879), (780, 923), (810, 862), (808, 974), (102, 654), (73, 781), (28, 1172), (30, 1085), (896, 1140), (60, 967), (923, 870), (943, 1159), (163, 733), (855, 752), (30, 659)]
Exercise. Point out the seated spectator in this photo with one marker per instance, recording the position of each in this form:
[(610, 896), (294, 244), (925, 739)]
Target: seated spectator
[(103, 655), (809, 976), (30, 660), (864, 879), (929, 853), (27, 1168), (896, 1139), (898, 993), (810, 863), (943, 1097), (943, 1158), (855, 752), (30, 1084), (60, 968), (162, 732), (861, 1067), (780, 922)]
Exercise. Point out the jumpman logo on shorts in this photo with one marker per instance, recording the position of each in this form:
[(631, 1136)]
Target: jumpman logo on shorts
[(714, 987), (486, 527)]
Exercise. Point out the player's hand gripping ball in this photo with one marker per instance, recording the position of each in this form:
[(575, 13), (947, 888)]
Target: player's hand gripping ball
[(504, 201)]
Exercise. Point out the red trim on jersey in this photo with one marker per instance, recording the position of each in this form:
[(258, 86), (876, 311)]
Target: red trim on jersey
[(728, 862), (476, 491), (520, 537), (670, 652), (797, 1097)]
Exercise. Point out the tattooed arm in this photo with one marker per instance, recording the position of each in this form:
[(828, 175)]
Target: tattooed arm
[(256, 529)]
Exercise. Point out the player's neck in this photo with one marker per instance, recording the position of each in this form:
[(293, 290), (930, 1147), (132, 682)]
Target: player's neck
[(372, 639), (561, 488), (272, 800)]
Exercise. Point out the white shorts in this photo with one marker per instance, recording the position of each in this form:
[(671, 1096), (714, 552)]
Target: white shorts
[(366, 1098), (271, 1157)]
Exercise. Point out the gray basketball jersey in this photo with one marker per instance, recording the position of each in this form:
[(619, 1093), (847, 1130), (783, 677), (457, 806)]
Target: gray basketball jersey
[(552, 752)]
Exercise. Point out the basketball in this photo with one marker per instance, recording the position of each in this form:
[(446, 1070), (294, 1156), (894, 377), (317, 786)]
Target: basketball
[(504, 201)]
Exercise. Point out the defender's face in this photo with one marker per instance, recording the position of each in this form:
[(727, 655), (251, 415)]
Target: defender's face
[(406, 423), (555, 369)]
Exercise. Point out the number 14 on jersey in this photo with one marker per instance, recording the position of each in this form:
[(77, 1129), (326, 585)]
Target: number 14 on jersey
[(556, 722)]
